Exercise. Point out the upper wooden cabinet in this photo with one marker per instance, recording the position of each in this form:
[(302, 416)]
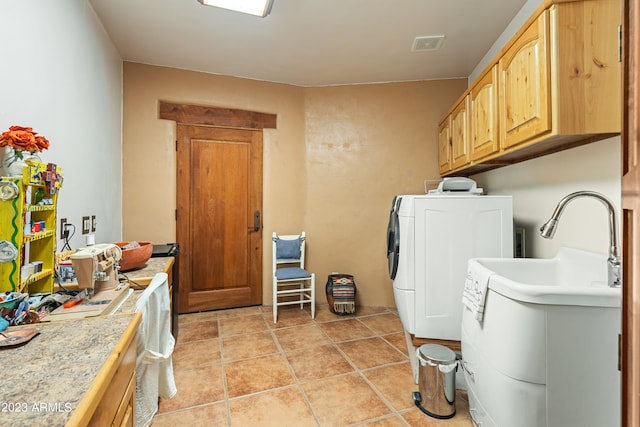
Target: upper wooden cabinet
[(453, 138), (586, 91), (524, 85), (460, 134), (483, 115), (555, 85), (444, 145)]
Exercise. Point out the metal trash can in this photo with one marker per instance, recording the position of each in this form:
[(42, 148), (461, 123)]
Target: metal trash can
[(436, 381)]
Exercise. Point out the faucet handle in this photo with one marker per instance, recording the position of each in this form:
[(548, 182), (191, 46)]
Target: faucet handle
[(614, 272)]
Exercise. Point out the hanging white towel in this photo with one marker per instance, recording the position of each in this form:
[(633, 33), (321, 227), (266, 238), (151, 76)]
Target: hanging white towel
[(154, 365), (476, 288)]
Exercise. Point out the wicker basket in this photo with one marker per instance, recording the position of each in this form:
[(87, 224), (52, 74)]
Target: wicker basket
[(341, 293)]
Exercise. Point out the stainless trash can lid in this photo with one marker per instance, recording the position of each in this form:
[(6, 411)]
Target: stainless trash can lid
[(436, 353)]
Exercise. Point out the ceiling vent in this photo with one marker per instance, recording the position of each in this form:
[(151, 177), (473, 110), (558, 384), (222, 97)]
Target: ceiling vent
[(424, 43)]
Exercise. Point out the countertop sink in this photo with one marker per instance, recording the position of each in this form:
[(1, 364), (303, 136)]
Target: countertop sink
[(572, 277)]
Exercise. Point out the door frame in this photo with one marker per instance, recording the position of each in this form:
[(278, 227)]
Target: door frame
[(198, 115), (630, 342)]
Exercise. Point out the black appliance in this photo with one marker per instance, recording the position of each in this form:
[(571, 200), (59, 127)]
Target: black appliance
[(393, 238), (166, 250)]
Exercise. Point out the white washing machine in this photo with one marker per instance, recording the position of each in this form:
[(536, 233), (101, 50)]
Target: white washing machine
[(430, 238)]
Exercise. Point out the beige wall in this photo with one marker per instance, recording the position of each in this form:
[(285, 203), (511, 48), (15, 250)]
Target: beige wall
[(366, 144), (332, 166), (537, 186)]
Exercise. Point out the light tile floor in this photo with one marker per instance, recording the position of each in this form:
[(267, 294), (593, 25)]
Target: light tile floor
[(237, 368)]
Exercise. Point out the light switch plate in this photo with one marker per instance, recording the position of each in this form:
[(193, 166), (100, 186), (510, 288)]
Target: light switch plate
[(63, 223), (86, 224)]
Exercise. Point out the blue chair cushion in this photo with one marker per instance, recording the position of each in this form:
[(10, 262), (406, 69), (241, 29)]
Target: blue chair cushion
[(292, 273), (288, 249)]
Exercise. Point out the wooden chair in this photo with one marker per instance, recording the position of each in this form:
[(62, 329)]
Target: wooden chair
[(292, 284)]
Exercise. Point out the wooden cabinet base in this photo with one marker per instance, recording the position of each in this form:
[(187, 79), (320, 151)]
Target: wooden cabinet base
[(111, 399)]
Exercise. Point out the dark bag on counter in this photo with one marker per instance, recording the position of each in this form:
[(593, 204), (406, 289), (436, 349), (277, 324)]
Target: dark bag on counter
[(341, 293)]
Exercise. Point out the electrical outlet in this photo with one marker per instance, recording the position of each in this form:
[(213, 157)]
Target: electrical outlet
[(86, 225), (64, 233), (93, 223)]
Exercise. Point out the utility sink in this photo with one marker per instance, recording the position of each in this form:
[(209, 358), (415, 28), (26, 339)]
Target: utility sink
[(546, 350), (572, 277)]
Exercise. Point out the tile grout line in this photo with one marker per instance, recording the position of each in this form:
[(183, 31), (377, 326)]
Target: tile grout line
[(393, 412), (224, 372), (396, 414), (356, 370), (298, 384), (360, 373), (292, 371)]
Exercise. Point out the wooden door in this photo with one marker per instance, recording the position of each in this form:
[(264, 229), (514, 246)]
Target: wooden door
[(460, 134), (630, 351), (525, 85), (483, 116), (219, 224), (444, 146)]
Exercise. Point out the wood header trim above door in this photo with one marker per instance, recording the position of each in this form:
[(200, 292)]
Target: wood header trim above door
[(214, 116)]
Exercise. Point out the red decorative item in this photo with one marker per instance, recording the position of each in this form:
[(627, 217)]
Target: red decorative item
[(51, 177)]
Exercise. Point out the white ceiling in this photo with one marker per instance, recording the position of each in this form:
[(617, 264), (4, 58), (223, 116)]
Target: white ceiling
[(309, 42)]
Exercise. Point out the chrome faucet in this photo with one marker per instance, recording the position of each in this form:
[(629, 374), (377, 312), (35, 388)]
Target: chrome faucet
[(613, 262)]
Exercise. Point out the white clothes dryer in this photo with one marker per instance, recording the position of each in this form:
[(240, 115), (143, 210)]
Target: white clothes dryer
[(430, 239)]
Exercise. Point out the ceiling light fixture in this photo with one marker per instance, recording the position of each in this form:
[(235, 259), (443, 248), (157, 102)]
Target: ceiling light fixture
[(253, 7)]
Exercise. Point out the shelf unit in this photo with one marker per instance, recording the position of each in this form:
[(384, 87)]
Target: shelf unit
[(38, 181)]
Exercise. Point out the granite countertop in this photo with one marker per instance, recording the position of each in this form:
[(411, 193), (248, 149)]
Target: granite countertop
[(44, 380), (129, 305), (140, 278), (145, 273)]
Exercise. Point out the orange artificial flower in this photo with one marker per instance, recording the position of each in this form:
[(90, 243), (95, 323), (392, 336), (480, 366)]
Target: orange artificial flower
[(42, 143), (23, 139)]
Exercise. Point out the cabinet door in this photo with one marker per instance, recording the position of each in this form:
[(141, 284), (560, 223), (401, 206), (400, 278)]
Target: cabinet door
[(525, 85), (444, 146), (483, 116), (460, 134)]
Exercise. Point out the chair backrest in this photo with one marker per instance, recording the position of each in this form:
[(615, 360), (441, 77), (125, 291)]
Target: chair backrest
[(288, 249)]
